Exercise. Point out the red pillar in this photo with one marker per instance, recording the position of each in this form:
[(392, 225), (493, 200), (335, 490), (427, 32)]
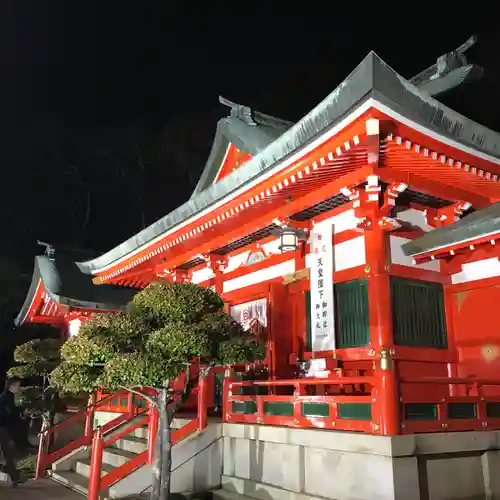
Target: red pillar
[(152, 432), (280, 337), (96, 465), (130, 404), (202, 402), (386, 407)]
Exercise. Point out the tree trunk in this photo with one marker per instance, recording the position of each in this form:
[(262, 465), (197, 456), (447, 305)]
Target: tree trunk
[(156, 480), (166, 459)]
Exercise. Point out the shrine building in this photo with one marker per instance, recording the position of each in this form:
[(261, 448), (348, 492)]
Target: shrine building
[(365, 241), (61, 296)]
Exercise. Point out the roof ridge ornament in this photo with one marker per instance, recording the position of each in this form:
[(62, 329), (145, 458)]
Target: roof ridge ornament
[(50, 251), (244, 113), (449, 71)]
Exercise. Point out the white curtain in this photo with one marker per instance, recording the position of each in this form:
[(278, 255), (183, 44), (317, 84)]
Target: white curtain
[(249, 312)]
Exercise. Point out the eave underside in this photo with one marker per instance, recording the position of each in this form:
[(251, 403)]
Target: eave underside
[(395, 159)]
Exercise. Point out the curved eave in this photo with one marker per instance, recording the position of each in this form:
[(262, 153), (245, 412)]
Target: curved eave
[(372, 79), (32, 298), (46, 280), (463, 247), (475, 229)]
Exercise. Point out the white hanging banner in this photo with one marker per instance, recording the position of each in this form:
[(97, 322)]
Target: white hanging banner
[(321, 278), (248, 313)]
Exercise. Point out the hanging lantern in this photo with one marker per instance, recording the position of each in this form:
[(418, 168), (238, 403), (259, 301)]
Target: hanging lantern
[(289, 238), (288, 235)]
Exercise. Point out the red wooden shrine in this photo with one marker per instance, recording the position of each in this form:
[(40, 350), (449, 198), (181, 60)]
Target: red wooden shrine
[(407, 342)]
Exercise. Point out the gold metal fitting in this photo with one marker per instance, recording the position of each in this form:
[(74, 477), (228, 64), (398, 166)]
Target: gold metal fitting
[(385, 359)]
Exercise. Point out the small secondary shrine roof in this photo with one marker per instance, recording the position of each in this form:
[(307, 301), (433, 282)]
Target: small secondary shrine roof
[(66, 285), (372, 84), (482, 224)]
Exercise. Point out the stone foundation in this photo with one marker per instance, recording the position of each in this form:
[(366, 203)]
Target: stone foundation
[(280, 463)]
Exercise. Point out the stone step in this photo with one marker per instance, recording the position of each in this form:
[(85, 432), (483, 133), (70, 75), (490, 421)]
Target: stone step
[(140, 432), (82, 467), (229, 495), (116, 457), (131, 443), (71, 480)]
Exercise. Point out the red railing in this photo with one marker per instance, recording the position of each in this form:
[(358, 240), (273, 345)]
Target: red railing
[(300, 409), (357, 404), (46, 457), (464, 406), (99, 482)]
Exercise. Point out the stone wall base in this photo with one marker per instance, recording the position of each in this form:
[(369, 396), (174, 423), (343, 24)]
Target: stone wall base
[(278, 463)]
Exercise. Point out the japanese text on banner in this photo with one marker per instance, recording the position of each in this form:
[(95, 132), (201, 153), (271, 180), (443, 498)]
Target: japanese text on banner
[(322, 307)]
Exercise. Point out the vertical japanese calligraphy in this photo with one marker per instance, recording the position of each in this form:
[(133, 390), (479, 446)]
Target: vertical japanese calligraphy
[(322, 307)]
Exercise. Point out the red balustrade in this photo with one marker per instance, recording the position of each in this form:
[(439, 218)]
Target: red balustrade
[(99, 482), (46, 457), (467, 404), (356, 404)]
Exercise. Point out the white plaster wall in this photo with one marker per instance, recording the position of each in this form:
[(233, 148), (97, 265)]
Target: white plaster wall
[(202, 275), (343, 221), (399, 257), (265, 274), (272, 247), (348, 254), (487, 268), (236, 261)]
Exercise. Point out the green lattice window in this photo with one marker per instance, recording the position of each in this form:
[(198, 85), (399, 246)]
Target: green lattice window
[(418, 313), (351, 314)]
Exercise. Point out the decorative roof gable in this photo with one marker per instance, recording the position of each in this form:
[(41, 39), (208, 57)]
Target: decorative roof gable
[(238, 137)]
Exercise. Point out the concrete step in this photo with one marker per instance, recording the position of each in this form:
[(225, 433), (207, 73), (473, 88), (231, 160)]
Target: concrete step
[(82, 467), (71, 480), (131, 443), (116, 457), (229, 495), (140, 432)]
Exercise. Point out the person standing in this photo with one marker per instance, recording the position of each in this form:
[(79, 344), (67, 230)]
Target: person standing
[(10, 423)]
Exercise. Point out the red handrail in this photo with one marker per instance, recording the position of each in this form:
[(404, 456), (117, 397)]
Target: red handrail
[(98, 482), (46, 458), (260, 413)]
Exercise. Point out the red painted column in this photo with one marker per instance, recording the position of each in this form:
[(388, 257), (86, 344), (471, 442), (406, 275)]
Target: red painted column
[(202, 402), (386, 405), (152, 431), (96, 465), (280, 338), (130, 404), (450, 307)]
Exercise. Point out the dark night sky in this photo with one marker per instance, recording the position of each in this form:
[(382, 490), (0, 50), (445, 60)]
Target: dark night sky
[(85, 86)]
